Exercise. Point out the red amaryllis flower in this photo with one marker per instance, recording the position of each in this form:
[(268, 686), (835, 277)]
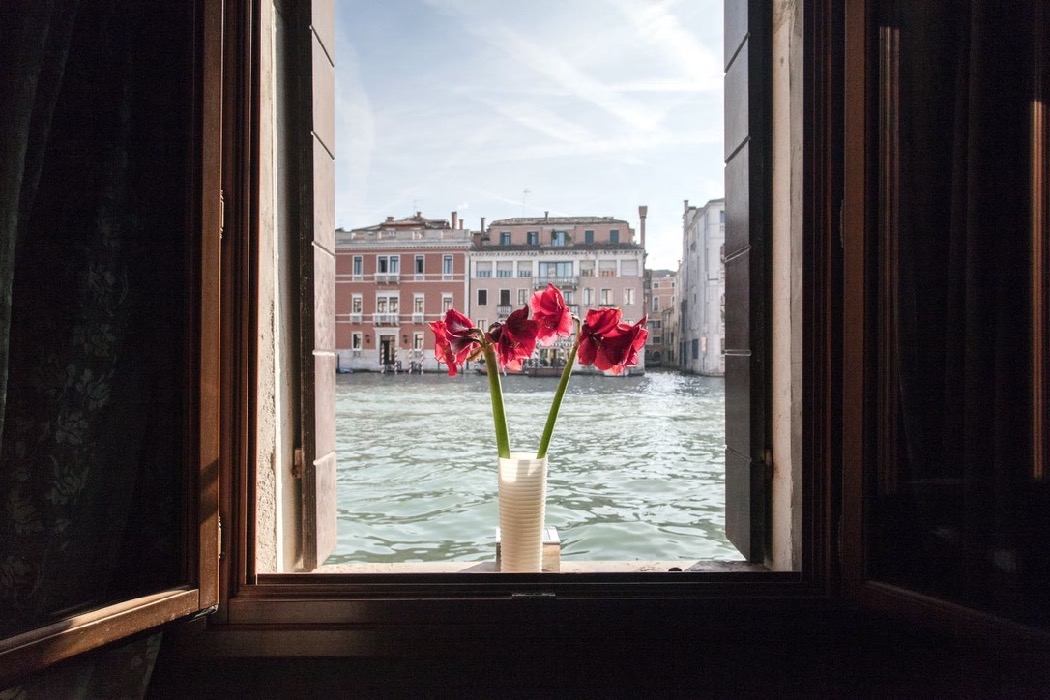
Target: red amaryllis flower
[(621, 349), (515, 339), (552, 315), (608, 344), (455, 339), (600, 323)]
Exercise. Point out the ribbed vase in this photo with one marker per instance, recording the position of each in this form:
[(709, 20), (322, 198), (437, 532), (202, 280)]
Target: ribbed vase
[(522, 500)]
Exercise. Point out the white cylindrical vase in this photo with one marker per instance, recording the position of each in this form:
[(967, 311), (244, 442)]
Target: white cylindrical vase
[(522, 500)]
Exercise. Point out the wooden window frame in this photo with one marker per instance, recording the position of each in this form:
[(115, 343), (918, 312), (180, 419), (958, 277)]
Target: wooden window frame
[(336, 615)]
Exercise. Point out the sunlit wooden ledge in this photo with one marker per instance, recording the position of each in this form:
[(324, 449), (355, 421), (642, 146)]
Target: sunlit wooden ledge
[(566, 567)]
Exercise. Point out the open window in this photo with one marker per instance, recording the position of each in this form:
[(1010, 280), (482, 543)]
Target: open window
[(945, 232), (110, 374)]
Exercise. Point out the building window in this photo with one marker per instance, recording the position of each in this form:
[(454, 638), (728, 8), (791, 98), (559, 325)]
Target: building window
[(614, 236), (656, 303), (446, 266), (586, 268), (357, 304), (524, 268), (628, 268), (388, 264), (628, 297), (605, 297), (505, 269), (504, 297), (722, 216), (523, 297), (607, 268), (559, 239), (358, 269), (355, 340), (483, 298), (419, 264), (588, 237), (588, 296), (696, 348), (556, 269), (483, 268), (533, 238), (446, 302), (504, 238), (418, 306), (417, 341)]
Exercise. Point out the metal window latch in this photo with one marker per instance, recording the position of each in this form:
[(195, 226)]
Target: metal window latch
[(297, 463)]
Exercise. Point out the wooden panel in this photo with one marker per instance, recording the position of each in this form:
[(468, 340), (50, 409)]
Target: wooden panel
[(743, 521), (319, 481), (738, 403), (322, 21), (324, 198), (735, 31), (323, 96), (324, 300), (738, 207), (736, 103), (738, 313)]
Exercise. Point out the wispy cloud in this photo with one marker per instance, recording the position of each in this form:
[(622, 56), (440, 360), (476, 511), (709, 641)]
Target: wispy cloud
[(547, 61), (662, 29)]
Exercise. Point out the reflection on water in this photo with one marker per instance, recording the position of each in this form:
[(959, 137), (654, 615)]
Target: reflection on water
[(635, 466)]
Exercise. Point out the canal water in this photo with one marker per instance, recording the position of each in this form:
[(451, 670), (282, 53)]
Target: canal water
[(635, 467)]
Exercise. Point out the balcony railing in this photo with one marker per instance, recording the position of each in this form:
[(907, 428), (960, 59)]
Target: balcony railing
[(384, 319), (356, 317), (504, 310), (417, 318), (387, 278), (560, 282)]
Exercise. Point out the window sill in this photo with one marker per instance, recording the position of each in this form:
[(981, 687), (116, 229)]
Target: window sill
[(566, 567)]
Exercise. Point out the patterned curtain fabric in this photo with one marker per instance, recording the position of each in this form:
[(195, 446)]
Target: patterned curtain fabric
[(95, 103)]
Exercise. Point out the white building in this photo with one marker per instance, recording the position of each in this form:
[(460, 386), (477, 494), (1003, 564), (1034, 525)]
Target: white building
[(594, 261), (702, 289)]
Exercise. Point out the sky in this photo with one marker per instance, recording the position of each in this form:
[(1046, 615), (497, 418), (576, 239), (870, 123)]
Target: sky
[(501, 109)]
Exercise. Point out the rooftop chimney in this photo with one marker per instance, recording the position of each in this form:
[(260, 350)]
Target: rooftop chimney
[(642, 211), (454, 219), (545, 215), (483, 223), (419, 215)]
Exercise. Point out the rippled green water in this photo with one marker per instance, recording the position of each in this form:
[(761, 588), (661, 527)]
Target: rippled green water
[(635, 466)]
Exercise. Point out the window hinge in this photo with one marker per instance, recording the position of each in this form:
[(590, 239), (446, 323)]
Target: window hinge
[(204, 612), (297, 463)]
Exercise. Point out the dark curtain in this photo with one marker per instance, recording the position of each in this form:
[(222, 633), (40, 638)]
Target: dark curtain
[(957, 521), (96, 106)]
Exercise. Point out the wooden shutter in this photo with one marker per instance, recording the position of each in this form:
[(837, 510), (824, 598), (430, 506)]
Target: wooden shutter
[(317, 71), (747, 266)]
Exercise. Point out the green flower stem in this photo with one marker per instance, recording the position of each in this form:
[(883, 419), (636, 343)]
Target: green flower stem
[(552, 416), (499, 414)]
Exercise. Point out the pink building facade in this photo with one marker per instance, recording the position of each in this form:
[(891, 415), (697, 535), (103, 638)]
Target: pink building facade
[(392, 280)]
